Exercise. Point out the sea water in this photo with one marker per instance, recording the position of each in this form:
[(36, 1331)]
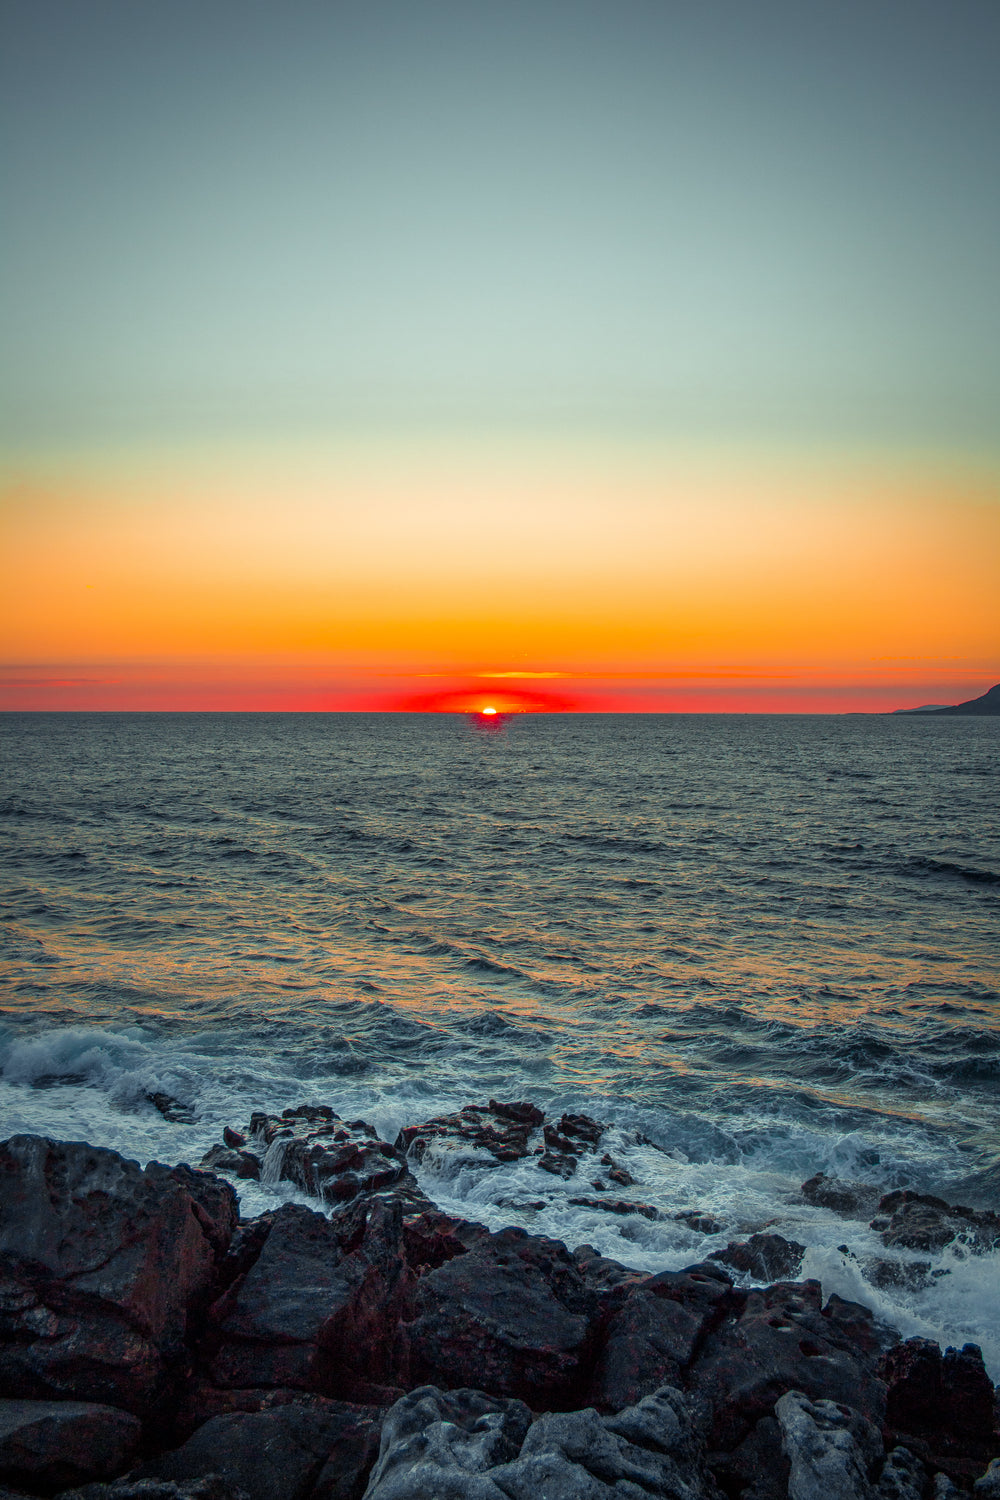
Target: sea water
[(756, 947)]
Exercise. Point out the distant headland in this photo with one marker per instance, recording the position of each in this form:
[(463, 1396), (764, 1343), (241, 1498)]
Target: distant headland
[(989, 703)]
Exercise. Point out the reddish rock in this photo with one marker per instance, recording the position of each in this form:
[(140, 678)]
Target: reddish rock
[(501, 1129), (651, 1338), (512, 1317), (619, 1206), (311, 1147), (102, 1265), (50, 1445), (780, 1341), (918, 1221), (942, 1406), (855, 1200), (765, 1257), (431, 1239), (318, 1308), (286, 1452)]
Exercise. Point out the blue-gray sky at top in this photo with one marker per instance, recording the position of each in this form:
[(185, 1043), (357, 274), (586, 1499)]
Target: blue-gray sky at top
[(709, 219)]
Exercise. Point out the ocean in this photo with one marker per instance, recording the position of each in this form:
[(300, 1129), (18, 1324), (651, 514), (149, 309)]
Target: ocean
[(758, 947)]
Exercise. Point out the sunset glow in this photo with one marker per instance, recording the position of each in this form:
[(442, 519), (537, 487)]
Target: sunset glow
[(676, 391)]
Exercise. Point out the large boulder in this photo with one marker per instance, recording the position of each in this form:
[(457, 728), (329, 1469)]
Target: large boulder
[(942, 1405), (49, 1445), (440, 1445), (918, 1221), (467, 1446), (781, 1339), (833, 1451), (512, 1316), (318, 1308), (650, 1336), (281, 1453), (102, 1265)]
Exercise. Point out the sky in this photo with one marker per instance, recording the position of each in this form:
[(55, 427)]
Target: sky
[(632, 356)]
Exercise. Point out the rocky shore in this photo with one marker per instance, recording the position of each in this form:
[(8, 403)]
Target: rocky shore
[(153, 1344)]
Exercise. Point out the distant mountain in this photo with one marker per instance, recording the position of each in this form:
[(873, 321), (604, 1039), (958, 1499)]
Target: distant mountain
[(989, 703), (925, 708)]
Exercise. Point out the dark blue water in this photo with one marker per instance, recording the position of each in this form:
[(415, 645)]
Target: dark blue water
[(772, 944)]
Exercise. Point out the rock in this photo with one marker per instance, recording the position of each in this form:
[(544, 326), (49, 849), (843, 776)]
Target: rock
[(311, 1147), (318, 1308), (511, 1316), (279, 1454), (172, 1109), (650, 1340), (465, 1446), (902, 1478), (987, 1486), (765, 1257), (780, 1339), (559, 1163), (941, 1406), (617, 1206), (832, 1450), (49, 1445), (102, 1264), (855, 1200), (441, 1445), (210, 1488), (918, 1221), (224, 1159), (910, 1275), (699, 1222), (503, 1130), (433, 1238)]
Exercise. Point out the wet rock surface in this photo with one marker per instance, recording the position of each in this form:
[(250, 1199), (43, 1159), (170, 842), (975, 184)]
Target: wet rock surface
[(267, 1353), (322, 1155), (765, 1257), (102, 1265), (917, 1221)]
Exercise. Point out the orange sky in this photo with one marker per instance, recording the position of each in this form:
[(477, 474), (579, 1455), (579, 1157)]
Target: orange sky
[(389, 576)]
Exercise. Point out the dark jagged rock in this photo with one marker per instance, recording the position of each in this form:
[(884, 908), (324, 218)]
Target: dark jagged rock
[(49, 1445), (172, 1109), (854, 1200), (213, 1487), (319, 1306), (653, 1332), (102, 1264), (431, 1239), (287, 1452), (941, 1406), (765, 1257), (312, 1148), (464, 1446), (779, 1340), (244, 1164), (617, 1206), (701, 1223), (918, 1221), (501, 1129), (511, 1316)]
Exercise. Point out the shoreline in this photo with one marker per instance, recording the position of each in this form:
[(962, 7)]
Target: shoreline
[(141, 1290)]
